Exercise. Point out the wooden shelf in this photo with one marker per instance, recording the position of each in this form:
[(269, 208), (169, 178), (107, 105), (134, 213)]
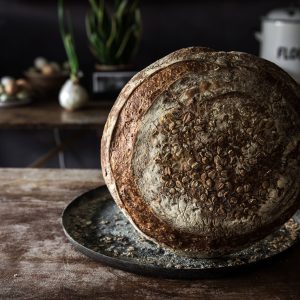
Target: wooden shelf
[(49, 115)]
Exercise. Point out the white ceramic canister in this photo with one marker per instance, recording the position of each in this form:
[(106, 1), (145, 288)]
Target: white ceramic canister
[(280, 39)]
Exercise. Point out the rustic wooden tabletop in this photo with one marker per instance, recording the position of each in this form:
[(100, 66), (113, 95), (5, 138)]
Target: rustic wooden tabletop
[(37, 261), (48, 115)]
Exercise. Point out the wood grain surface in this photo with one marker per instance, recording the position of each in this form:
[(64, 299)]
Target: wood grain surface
[(37, 261), (48, 114)]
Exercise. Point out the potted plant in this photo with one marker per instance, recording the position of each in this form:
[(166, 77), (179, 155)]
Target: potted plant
[(114, 35), (72, 95)]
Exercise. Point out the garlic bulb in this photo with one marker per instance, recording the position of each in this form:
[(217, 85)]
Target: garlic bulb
[(72, 95), (40, 62), (7, 80)]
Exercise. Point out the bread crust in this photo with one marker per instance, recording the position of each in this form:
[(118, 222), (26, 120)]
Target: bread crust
[(236, 124)]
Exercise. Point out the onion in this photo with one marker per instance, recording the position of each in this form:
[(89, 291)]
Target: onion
[(11, 88), (47, 69), (72, 95)]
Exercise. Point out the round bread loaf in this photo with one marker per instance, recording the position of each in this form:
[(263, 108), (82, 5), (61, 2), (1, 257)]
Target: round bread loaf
[(201, 150)]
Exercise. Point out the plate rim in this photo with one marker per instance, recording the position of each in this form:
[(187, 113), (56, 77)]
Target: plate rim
[(157, 271)]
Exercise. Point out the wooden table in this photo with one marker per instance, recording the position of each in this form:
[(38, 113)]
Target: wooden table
[(49, 115), (37, 261)]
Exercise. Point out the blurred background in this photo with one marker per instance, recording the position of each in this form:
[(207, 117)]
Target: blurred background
[(29, 29)]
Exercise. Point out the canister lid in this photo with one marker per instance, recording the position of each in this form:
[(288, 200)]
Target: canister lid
[(288, 14)]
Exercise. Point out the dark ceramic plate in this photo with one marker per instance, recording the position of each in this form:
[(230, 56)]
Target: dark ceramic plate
[(97, 228)]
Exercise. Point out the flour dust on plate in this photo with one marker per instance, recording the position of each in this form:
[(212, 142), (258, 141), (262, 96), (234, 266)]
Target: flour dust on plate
[(96, 227)]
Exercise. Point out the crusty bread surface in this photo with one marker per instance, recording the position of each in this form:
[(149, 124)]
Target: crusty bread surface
[(201, 150)]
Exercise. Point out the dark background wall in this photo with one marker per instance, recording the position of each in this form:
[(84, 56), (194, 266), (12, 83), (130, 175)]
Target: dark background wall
[(29, 28)]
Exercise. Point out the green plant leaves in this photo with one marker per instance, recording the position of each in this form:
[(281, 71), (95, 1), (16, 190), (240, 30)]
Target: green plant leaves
[(66, 31), (121, 10), (124, 42), (114, 34)]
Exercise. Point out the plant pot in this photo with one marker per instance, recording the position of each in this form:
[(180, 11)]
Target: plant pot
[(108, 80), (113, 68)]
